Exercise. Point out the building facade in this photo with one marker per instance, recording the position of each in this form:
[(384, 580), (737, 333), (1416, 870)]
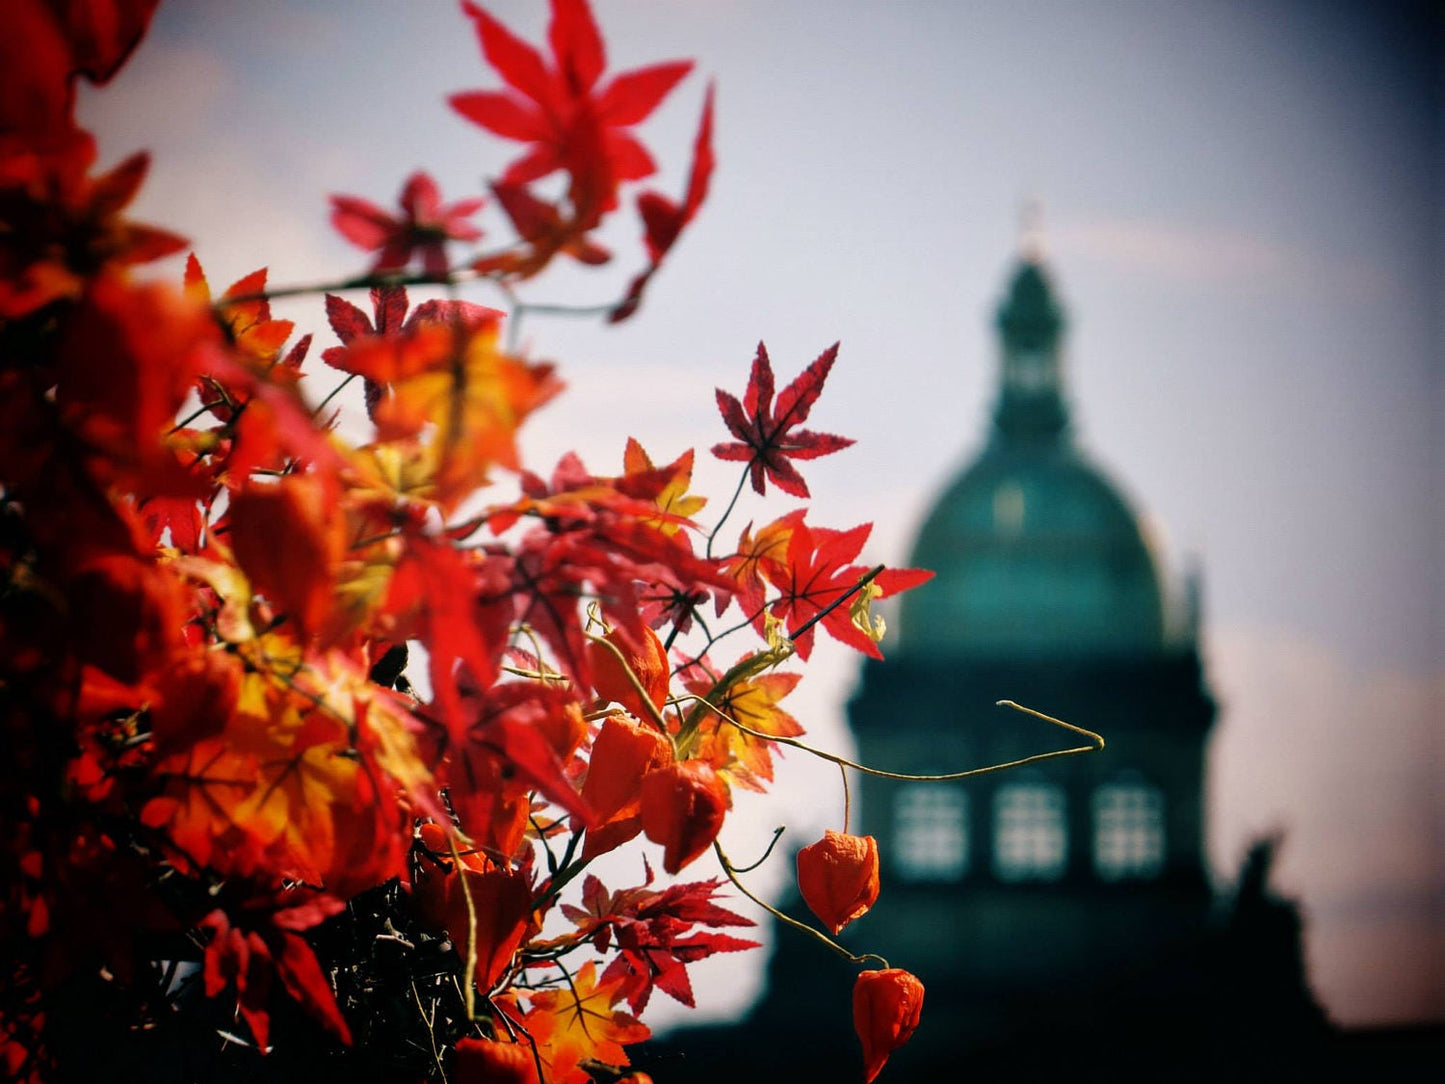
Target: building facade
[(1060, 915)]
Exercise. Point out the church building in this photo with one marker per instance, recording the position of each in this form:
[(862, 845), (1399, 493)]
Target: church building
[(1061, 915)]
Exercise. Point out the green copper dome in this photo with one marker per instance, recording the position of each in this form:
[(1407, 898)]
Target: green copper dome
[(1037, 553)]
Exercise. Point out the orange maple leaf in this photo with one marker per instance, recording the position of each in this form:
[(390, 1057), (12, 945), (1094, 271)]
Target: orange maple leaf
[(674, 499), (450, 376), (739, 757), (578, 1022)]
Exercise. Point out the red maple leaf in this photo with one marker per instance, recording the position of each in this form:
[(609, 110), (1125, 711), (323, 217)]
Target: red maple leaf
[(601, 538), (818, 573), (768, 437), (656, 933), (571, 122), (435, 591), (425, 225), (546, 230), (664, 220)]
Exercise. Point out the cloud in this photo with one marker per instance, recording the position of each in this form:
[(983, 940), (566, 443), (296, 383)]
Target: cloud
[(1213, 256)]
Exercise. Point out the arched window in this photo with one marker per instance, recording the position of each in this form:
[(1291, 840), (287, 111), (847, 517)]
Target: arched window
[(930, 831), (1030, 836), (1128, 831)]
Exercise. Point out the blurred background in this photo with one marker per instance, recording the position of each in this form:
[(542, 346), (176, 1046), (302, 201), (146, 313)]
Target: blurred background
[(1240, 210)]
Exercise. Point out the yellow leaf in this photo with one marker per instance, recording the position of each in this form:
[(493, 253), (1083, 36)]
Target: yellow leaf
[(576, 1022)]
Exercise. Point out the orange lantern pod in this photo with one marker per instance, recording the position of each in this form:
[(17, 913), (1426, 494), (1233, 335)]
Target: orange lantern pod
[(683, 806), (648, 662), (838, 877), (886, 1007), (486, 1061), (622, 756)]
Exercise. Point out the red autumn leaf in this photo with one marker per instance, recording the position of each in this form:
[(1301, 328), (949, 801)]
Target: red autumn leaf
[(663, 220), (886, 1008), (195, 698), (448, 378), (304, 980), (181, 516), (545, 229), (571, 123), (126, 613), (240, 957), (61, 226), (768, 437), (424, 227), (248, 956), (655, 933), (642, 477), (768, 549), (127, 358), (838, 877), (288, 540), (246, 316), (816, 573), (350, 323), (501, 900), (102, 33), (683, 807), (622, 756), (433, 593), (527, 732), (596, 541)]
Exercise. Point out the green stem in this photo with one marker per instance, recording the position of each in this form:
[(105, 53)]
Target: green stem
[(1096, 744)]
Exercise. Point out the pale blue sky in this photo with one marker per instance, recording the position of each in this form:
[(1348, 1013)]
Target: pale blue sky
[(1241, 214)]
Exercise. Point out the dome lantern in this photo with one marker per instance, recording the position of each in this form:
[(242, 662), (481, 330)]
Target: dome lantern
[(1037, 553), (1031, 395)]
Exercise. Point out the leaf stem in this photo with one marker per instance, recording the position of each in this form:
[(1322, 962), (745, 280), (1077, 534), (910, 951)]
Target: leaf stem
[(332, 394), (737, 492)]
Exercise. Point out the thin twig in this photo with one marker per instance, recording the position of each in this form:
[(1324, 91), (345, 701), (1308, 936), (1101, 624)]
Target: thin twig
[(863, 582), (777, 835), (738, 492), (469, 991), (431, 1033), (1096, 744)]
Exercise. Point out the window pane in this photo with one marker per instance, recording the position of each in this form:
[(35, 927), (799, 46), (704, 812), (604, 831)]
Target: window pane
[(1128, 831), (930, 832), (1031, 841)]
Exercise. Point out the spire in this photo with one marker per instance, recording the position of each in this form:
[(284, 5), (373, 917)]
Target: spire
[(1031, 230), (1031, 405)]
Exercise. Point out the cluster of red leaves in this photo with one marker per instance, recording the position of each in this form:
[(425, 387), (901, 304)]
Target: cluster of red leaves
[(205, 592)]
